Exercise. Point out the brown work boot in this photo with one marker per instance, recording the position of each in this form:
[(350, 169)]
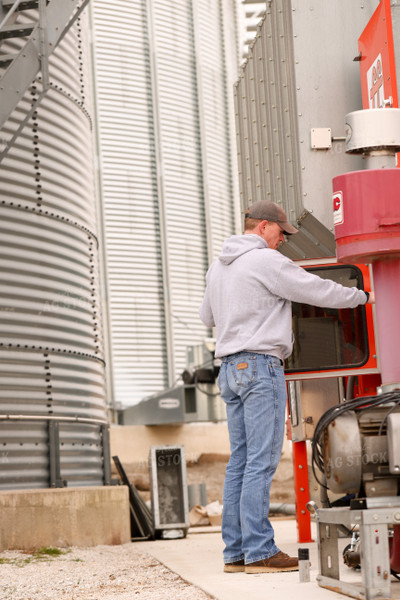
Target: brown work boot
[(274, 564), (234, 567)]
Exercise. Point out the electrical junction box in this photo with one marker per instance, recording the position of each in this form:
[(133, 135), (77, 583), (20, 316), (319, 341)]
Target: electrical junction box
[(321, 138)]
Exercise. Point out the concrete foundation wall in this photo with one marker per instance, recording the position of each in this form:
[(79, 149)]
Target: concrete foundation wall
[(32, 519), (88, 516), (131, 443)]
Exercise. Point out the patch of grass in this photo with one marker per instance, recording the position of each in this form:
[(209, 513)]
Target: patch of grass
[(49, 552), (18, 562), (41, 554)]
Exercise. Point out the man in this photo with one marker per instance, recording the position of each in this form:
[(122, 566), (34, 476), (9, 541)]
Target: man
[(248, 298)]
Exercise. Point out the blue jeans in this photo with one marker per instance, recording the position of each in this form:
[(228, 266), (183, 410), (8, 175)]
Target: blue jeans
[(254, 391)]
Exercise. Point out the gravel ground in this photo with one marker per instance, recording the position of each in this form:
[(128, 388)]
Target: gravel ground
[(118, 572), (109, 572)]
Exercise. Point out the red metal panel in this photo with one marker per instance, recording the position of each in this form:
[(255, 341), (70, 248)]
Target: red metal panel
[(377, 65), (301, 487), (366, 385), (394, 546)]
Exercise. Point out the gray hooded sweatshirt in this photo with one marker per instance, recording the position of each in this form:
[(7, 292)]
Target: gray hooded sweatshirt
[(249, 290)]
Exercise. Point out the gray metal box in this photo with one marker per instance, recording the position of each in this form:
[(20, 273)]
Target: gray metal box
[(169, 495), (393, 429), (309, 400), (167, 407)]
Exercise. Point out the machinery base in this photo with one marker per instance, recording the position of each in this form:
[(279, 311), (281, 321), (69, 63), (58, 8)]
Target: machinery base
[(373, 525)]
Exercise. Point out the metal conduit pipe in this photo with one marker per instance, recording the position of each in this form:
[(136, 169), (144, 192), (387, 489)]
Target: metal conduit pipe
[(286, 509), (52, 418)]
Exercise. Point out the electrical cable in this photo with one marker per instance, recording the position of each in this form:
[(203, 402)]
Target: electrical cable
[(356, 404), (209, 363), (210, 394), (386, 416), (395, 574)]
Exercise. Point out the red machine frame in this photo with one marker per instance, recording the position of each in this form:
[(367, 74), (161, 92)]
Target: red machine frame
[(368, 379)]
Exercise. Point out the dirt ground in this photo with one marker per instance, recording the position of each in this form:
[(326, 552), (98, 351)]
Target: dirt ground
[(210, 469)]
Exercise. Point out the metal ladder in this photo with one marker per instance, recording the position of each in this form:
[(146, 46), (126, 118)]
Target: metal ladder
[(40, 35)]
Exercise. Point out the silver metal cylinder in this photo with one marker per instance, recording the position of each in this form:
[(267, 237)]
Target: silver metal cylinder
[(53, 418), (380, 159), (197, 494), (371, 129)]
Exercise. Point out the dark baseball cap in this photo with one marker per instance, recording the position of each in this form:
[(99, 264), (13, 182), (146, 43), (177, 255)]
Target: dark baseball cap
[(269, 211)]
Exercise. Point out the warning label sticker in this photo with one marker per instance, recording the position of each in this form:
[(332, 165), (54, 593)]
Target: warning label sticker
[(338, 217), (375, 83)]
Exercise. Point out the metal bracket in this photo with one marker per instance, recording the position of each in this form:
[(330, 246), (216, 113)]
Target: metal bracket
[(388, 101), (54, 455), (44, 52), (105, 440), (55, 20), (374, 544)]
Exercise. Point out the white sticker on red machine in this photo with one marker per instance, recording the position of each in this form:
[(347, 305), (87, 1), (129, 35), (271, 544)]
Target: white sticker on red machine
[(375, 83), (338, 217)]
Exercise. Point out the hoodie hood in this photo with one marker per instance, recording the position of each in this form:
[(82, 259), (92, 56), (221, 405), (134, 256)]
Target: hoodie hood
[(237, 245)]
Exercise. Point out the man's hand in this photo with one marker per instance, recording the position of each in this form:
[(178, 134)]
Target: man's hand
[(371, 299)]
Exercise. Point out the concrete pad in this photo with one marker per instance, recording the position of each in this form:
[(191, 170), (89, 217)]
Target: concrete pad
[(198, 559), (87, 516)]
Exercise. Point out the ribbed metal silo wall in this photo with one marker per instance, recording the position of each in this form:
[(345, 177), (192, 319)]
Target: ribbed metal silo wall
[(182, 173), (130, 197), (163, 88), (53, 420), (216, 70)]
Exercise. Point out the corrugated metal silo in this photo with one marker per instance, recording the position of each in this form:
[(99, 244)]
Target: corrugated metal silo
[(164, 77), (53, 421)]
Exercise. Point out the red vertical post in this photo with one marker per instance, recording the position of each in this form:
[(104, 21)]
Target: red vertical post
[(302, 491), (387, 289)]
